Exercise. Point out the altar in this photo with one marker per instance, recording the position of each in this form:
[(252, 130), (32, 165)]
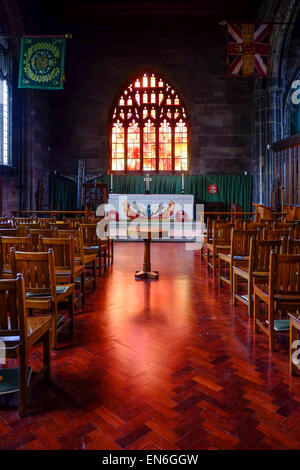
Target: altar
[(172, 207)]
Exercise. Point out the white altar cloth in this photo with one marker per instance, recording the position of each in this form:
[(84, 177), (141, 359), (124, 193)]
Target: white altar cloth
[(173, 207)]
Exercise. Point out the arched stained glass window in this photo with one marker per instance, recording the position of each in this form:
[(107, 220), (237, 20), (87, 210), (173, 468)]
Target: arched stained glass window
[(149, 131)]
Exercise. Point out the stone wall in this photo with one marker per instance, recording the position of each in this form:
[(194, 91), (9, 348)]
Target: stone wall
[(191, 54), (31, 128)]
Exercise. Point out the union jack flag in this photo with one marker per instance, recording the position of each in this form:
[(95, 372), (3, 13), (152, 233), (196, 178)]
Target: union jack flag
[(248, 49)]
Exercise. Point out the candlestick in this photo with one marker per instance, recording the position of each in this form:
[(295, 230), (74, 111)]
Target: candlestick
[(182, 183), (111, 183)]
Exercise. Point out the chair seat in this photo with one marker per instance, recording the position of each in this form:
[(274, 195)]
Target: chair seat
[(10, 382), (89, 258), (281, 325), (62, 289), (92, 248), (36, 328)]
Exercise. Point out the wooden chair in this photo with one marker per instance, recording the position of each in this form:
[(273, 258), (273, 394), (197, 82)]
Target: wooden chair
[(269, 234), (282, 225), (239, 253), (281, 294), (94, 245), (60, 225), (42, 292), (207, 239), (45, 221), (80, 257), (296, 231), (293, 246), (24, 227), (220, 243), (19, 333), (73, 222), (36, 233), (6, 225), (258, 267), (22, 220), (6, 243), (66, 271), (9, 232)]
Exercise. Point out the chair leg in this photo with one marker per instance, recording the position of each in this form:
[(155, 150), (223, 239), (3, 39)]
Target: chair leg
[(250, 295), (54, 325), (71, 312), (94, 273), (219, 271), (255, 313), (47, 355), (271, 325), (207, 258), (214, 263), (105, 259), (82, 287), (231, 274), (99, 263), (293, 337), (23, 395), (234, 288)]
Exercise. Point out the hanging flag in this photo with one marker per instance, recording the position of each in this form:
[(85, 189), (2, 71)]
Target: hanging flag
[(42, 62), (248, 49)]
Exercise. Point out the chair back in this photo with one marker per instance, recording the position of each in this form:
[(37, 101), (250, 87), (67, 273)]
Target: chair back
[(296, 233), (259, 258), (284, 275), (222, 233), (6, 225), (89, 234), (18, 243), (63, 250), (269, 234), (13, 320), (8, 232), (293, 246), (22, 220), (240, 241), (60, 225), (36, 232), (38, 271), (24, 227), (73, 222), (44, 221), (77, 239)]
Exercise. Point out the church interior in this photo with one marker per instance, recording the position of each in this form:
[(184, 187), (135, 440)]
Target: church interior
[(149, 225)]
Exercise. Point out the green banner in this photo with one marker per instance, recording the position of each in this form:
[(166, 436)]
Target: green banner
[(42, 62)]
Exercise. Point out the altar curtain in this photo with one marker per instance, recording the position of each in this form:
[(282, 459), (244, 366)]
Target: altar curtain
[(62, 193), (231, 188)]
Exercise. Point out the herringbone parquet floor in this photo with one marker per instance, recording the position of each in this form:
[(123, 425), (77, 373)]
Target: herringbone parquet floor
[(167, 364)]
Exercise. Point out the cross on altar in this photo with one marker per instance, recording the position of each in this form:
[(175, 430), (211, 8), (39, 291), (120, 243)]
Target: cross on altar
[(147, 179)]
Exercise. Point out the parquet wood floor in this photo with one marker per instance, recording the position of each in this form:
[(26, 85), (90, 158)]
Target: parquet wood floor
[(167, 364)]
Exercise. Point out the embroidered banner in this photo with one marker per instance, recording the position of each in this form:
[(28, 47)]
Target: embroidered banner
[(42, 61), (248, 49)]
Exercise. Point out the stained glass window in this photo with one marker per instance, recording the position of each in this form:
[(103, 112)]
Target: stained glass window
[(149, 128), (5, 103)]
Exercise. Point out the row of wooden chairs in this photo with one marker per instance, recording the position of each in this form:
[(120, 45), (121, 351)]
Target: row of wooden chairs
[(247, 255), (41, 270)]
